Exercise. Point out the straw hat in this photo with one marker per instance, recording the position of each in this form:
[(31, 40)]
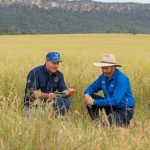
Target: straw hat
[(107, 60)]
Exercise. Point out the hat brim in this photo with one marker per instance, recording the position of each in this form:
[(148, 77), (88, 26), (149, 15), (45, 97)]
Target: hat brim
[(54, 61), (106, 65)]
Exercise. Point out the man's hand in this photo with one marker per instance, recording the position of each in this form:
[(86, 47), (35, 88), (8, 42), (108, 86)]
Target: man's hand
[(86, 96), (70, 92), (51, 96), (43, 96), (89, 100)]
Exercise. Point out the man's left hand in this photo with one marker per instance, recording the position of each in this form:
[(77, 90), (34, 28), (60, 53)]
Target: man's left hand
[(70, 92)]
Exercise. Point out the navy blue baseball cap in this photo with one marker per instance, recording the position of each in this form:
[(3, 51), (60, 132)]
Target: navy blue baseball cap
[(53, 57)]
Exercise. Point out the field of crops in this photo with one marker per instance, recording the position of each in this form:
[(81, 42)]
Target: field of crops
[(19, 54)]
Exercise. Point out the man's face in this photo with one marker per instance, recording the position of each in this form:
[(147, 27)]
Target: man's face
[(52, 67), (108, 71)]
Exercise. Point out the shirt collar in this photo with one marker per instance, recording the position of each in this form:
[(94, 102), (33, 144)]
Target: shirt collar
[(114, 75), (46, 71)]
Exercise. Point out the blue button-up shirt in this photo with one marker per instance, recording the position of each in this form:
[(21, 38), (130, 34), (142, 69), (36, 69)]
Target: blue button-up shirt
[(117, 91), (40, 79)]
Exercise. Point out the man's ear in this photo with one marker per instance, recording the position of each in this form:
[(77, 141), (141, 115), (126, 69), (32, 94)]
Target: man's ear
[(46, 61), (113, 67)]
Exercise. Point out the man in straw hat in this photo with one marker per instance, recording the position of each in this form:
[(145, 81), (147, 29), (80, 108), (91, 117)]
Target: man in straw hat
[(46, 83), (118, 101)]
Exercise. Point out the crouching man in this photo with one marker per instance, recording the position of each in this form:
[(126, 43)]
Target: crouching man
[(118, 101), (45, 83)]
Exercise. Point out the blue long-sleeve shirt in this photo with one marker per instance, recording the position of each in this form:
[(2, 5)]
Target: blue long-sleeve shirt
[(117, 91), (40, 79)]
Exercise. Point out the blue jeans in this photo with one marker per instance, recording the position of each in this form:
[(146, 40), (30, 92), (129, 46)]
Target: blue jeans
[(61, 105), (121, 117)]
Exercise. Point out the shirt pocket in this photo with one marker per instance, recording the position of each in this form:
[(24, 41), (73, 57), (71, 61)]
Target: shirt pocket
[(55, 81), (55, 84), (111, 89), (43, 85)]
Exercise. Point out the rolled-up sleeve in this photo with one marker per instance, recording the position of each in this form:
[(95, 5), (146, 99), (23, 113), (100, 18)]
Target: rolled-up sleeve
[(31, 85), (94, 87), (32, 81)]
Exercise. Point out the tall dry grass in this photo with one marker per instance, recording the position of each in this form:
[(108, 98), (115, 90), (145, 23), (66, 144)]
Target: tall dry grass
[(19, 54)]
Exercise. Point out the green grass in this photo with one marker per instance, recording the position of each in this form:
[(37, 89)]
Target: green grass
[(19, 54)]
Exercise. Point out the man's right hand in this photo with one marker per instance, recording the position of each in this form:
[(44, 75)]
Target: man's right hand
[(88, 100), (86, 96), (45, 96), (51, 96)]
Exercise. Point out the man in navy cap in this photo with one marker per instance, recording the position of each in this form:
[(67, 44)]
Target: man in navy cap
[(42, 83)]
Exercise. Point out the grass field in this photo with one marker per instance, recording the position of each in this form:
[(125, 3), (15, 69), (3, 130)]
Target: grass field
[(19, 54)]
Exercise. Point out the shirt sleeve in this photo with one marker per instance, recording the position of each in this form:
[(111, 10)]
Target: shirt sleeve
[(94, 87), (118, 94), (61, 83), (32, 81)]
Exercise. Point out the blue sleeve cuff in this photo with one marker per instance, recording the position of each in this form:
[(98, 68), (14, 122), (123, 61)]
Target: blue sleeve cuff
[(96, 102), (86, 93)]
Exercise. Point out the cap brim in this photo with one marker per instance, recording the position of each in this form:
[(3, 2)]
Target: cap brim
[(106, 65), (54, 61)]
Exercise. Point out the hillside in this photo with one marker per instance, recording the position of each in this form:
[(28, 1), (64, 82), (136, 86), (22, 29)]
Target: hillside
[(45, 16)]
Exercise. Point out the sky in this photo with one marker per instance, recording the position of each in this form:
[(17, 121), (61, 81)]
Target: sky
[(137, 1)]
